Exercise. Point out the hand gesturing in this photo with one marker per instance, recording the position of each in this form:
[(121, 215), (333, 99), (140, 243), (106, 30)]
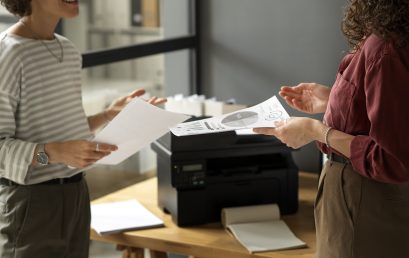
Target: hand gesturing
[(306, 97)]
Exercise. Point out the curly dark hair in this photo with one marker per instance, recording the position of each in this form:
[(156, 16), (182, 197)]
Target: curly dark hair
[(387, 18), (17, 7)]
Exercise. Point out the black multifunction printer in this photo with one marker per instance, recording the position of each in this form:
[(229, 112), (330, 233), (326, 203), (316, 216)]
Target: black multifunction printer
[(201, 174)]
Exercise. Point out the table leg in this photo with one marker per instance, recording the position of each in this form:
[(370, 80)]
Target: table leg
[(157, 254), (131, 252)]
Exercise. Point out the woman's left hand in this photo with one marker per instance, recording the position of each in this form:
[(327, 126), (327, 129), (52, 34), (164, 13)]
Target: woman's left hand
[(294, 132), (118, 104)]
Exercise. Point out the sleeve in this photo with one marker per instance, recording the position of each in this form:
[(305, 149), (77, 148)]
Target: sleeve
[(15, 155), (383, 154)]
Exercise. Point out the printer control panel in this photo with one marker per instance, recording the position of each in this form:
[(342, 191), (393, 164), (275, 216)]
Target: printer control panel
[(189, 175)]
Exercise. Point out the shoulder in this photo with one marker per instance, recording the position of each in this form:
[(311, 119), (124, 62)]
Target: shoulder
[(375, 48), (9, 45), (11, 51), (70, 49), (66, 42)]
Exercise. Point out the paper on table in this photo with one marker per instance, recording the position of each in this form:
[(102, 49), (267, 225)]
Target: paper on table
[(109, 218), (259, 228), (245, 214), (261, 115), (137, 125)]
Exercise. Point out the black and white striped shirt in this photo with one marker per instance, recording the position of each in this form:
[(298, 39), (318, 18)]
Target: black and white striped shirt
[(40, 102)]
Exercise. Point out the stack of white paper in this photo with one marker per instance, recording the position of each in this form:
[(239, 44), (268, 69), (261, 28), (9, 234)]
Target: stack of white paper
[(109, 218)]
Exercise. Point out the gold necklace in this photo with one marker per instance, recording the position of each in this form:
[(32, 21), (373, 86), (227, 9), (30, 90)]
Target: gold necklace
[(60, 59)]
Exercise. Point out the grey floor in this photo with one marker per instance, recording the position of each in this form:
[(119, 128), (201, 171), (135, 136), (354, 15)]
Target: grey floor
[(103, 250)]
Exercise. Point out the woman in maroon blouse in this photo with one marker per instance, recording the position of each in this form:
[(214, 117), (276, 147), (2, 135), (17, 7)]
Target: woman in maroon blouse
[(362, 206)]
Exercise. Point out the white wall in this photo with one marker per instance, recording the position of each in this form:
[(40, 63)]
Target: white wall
[(3, 10)]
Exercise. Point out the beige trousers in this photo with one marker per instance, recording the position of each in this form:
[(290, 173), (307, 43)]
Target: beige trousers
[(45, 221), (357, 217)]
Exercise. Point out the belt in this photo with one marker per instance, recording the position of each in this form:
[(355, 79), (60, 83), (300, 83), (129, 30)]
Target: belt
[(57, 181), (337, 158)]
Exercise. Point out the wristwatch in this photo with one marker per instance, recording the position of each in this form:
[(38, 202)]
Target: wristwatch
[(41, 156)]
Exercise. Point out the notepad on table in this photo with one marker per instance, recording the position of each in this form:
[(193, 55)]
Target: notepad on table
[(259, 228), (115, 217)]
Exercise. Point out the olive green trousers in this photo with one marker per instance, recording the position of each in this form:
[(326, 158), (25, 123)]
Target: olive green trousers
[(357, 217), (45, 221)]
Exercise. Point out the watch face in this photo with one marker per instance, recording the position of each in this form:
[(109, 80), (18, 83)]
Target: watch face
[(42, 158)]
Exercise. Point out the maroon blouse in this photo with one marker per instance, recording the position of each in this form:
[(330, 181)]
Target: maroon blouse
[(370, 100)]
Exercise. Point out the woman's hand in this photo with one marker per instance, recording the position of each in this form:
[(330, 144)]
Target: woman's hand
[(299, 131), (77, 154), (118, 104), (294, 132), (310, 98), (95, 122)]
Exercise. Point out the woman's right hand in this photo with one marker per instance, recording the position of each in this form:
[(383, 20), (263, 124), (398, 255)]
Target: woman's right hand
[(77, 154), (310, 98)]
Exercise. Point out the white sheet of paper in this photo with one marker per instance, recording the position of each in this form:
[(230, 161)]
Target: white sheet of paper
[(137, 125), (261, 115), (265, 236), (108, 218), (259, 228)]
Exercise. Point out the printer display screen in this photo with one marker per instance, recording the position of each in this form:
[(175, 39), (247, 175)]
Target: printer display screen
[(192, 167)]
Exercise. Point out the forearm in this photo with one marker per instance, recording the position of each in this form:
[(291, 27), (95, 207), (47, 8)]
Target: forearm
[(54, 149), (17, 157), (99, 120), (76, 153), (337, 140)]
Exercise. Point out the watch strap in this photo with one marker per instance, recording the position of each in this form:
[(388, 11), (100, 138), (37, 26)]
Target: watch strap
[(40, 148)]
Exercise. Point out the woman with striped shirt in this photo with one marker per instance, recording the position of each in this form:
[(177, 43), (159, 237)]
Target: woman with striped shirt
[(44, 202)]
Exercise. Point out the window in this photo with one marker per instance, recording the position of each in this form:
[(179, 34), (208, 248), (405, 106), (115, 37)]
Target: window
[(129, 44), (137, 34)]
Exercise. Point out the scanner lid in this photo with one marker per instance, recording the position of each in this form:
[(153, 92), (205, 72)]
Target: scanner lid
[(217, 141)]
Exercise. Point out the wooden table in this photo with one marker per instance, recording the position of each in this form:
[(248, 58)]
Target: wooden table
[(207, 241)]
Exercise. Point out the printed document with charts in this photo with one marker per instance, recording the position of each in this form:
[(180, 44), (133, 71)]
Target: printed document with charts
[(261, 115), (115, 217), (259, 228)]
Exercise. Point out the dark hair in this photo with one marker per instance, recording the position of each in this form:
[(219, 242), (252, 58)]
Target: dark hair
[(387, 18), (17, 7)]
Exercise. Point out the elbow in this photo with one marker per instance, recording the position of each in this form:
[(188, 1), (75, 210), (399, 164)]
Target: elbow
[(396, 173)]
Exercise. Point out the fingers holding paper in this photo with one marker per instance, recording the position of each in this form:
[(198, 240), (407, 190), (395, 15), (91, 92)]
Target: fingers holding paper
[(79, 153), (153, 100), (156, 101), (294, 132), (119, 104)]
